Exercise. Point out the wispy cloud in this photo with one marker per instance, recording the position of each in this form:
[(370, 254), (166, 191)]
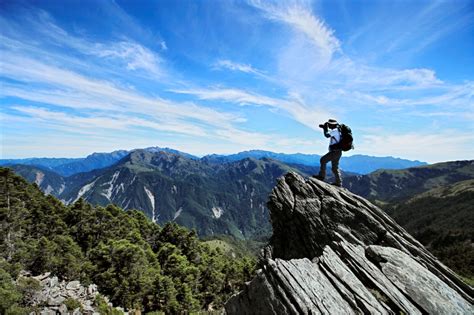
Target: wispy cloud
[(135, 56), (132, 55), (246, 68), (427, 146), (299, 16), (294, 105), (102, 92), (96, 123)]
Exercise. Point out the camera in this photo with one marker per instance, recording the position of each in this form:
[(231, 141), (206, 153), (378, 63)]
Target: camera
[(322, 125)]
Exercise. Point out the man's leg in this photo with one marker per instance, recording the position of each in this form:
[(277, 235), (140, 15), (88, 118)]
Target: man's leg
[(336, 156), (323, 162)]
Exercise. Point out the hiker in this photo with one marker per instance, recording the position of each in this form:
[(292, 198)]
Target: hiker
[(335, 151)]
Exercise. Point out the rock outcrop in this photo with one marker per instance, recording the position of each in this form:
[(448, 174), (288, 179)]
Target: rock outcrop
[(54, 296), (333, 252)]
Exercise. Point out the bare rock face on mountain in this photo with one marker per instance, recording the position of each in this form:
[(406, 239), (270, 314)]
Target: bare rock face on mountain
[(333, 252)]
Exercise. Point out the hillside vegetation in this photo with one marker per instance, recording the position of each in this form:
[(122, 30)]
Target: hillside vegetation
[(400, 185), (135, 262), (442, 219)]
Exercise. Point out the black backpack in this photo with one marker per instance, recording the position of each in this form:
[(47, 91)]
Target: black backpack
[(345, 144)]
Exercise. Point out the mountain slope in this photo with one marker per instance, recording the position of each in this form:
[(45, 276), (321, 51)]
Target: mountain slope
[(396, 185), (49, 182), (443, 220), (136, 263), (67, 167), (226, 198), (91, 162)]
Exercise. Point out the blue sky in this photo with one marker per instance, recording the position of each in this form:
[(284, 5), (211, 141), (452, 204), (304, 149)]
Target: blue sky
[(224, 76)]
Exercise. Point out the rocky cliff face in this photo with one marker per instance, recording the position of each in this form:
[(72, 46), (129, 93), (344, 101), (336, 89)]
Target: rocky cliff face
[(333, 252)]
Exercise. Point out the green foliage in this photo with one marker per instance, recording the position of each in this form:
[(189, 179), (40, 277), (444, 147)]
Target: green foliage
[(442, 219), (11, 296), (27, 287), (136, 263), (103, 308), (72, 304)]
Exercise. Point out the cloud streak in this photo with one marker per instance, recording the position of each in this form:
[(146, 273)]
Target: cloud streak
[(294, 106), (246, 68), (299, 16)]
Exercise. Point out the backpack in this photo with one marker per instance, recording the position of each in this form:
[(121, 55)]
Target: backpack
[(346, 138)]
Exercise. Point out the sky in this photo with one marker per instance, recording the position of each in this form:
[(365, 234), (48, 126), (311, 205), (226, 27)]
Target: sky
[(205, 77)]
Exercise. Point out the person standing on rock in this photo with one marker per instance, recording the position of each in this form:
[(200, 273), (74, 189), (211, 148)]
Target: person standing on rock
[(332, 131)]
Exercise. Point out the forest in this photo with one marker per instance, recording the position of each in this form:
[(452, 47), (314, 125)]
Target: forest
[(136, 263)]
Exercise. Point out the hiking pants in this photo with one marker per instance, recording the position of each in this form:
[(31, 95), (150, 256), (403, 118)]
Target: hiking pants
[(334, 157)]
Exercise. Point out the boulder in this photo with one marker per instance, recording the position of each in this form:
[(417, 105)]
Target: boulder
[(333, 252)]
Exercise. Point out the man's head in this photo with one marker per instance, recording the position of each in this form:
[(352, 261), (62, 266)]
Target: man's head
[(332, 123)]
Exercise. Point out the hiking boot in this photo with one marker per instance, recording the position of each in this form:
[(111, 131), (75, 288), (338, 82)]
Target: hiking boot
[(318, 177), (337, 184)]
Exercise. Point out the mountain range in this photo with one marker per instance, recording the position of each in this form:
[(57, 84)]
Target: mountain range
[(214, 198), (361, 164), (218, 196)]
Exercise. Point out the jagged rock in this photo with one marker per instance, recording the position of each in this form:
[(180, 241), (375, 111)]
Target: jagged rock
[(333, 252)]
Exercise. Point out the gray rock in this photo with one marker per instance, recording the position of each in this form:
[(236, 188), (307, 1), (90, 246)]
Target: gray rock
[(89, 309), (54, 292), (424, 288), (92, 289), (73, 285), (47, 311), (56, 300), (77, 311), (62, 309), (42, 276), (53, 282), (333, 252)]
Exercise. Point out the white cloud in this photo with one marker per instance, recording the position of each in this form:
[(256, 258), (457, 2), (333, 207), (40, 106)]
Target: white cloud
[(227, 64), (294, 105), (129, 53), (426, 146), (135, 56), (97, 123), (104, 94), (345, 72), (299, 16)]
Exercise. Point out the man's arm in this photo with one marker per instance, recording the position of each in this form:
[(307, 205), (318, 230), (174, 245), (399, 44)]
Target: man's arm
[(326, 132)]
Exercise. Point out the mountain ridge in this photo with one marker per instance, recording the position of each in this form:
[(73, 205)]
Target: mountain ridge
[(361, 164), (390, 185)]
